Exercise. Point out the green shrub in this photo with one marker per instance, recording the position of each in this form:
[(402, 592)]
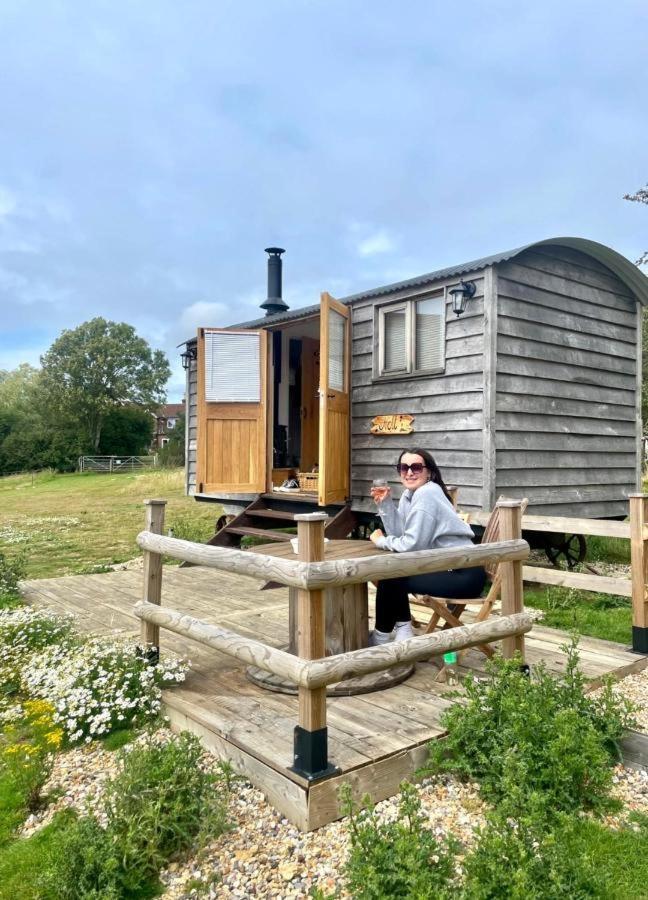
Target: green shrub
[(518, 860), (399, 858), (190, 528), (12, 569), (27, 750), (534, 740), (162, 803)]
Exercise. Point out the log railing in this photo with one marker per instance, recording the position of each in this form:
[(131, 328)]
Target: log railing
[(310, 670), (636, 587)]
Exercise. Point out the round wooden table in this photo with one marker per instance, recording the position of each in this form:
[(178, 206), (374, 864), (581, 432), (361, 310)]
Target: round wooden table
[(347, 623)]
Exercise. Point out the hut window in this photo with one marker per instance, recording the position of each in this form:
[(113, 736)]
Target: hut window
[(337, 331), (411, 337), (395, 340), (232, 367)]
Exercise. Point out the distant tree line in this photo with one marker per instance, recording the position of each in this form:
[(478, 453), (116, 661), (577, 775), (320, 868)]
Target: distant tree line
[(95, 393)]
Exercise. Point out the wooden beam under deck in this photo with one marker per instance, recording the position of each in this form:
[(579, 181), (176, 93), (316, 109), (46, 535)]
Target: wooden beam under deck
[(374, 739)]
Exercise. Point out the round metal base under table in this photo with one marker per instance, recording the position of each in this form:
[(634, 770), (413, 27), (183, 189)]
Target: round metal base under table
[(364, 684)]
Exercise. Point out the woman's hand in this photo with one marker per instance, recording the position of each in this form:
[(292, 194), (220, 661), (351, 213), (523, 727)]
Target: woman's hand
[(378, 494), (373, 537)]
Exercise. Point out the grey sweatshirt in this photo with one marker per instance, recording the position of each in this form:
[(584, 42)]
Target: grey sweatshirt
[(425, 520)]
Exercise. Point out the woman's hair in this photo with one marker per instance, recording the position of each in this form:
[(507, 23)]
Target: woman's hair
[(428, 459)]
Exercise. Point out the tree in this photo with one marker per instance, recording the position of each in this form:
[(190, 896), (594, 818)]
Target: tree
[(127, 431), (96, 368), (640, 196)]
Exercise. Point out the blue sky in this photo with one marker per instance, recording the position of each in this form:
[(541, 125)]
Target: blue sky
[(150, 150)]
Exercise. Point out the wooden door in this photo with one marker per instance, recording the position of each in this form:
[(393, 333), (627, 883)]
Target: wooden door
[(310, 377), (335, 376), (232, 411)]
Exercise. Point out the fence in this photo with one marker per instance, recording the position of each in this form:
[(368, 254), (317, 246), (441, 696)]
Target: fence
[(311, 574), (635, 530), (112, 464)]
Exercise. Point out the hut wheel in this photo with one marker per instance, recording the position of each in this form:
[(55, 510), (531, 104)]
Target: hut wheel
[(221, 522), (569, 549)]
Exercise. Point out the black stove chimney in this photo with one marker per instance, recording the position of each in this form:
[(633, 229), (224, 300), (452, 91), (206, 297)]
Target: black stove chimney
[(274, 303)]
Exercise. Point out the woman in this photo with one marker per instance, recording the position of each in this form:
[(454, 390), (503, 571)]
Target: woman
[(425, 520)]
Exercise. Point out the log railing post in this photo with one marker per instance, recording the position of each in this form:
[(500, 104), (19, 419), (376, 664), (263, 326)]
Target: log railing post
[(149, 633), (512, 591), (311, 734), (639, 571)]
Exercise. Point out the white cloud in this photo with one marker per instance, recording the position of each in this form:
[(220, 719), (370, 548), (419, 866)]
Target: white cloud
[(379, 242), (203, 314)]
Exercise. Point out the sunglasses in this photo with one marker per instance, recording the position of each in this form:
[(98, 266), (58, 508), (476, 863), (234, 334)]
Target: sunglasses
[(415, 468)]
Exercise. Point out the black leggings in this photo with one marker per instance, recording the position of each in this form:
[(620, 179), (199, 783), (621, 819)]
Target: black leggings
[(392, 601)]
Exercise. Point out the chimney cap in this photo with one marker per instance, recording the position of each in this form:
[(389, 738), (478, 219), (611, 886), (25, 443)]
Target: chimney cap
[(274, 303)]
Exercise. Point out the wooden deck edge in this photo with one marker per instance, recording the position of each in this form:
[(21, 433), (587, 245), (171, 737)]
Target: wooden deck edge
[(311, 807), (289, 798), (634, 750), (636, 664), (379, 780)]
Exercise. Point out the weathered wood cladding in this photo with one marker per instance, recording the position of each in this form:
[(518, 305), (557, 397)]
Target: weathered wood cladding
[(566, 384), (539, 394), (191, 426), (448, 407)]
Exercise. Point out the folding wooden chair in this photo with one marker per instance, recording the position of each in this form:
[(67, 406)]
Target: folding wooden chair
[(450, 610)]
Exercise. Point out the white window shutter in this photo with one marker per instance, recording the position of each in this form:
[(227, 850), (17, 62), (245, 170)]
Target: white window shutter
[(430, 335), (337, 330), (395, 341), (232, 367)]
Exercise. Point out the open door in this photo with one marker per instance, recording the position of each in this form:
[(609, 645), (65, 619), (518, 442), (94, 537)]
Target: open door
[(232, 412), (334, 425)]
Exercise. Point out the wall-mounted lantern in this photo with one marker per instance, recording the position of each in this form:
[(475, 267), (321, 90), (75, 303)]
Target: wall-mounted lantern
[(190, 354), (461, 294)]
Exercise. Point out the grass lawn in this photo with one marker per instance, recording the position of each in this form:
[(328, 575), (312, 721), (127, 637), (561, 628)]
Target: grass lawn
[(77, 523), (80, 523), (596, 615)]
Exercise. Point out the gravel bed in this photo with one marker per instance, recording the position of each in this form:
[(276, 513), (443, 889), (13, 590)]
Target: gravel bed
[(264, 855), (635, 688)]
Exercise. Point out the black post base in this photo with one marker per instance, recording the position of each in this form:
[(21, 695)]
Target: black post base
[(640, 640), (311, 754)]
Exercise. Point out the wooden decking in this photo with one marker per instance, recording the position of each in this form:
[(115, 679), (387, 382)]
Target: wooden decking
[(375, 739)]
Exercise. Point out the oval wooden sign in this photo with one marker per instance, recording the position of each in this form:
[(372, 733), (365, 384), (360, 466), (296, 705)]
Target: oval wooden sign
[(399, 423)]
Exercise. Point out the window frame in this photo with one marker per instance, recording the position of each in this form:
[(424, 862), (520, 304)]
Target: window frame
[(408, 304)]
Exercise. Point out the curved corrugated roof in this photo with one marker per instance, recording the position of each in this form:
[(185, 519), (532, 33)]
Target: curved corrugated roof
[(629, 274)]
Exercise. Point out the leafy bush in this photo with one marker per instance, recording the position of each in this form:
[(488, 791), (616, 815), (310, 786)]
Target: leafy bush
[(99, 686), (11, 571), (518, 860), (27, 750), (400, 858), (190, 528), (531, 740), (162, 803)]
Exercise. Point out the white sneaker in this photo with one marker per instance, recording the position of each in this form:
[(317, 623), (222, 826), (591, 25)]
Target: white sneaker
[(377, 638), (403, 631), (289, 485)]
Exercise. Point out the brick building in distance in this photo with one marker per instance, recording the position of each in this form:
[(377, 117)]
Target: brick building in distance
[(166, 420)]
